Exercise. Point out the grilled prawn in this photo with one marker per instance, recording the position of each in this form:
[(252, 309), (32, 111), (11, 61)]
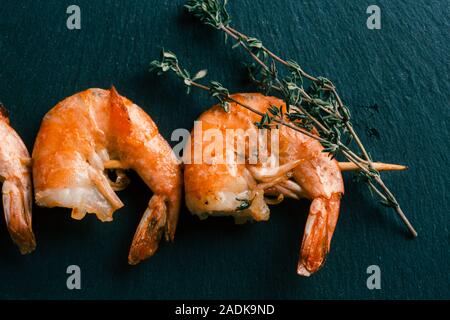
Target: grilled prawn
[(15, 174), (243, 190), (94, 131)]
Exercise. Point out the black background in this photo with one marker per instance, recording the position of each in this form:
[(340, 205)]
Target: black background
[(402, 70)]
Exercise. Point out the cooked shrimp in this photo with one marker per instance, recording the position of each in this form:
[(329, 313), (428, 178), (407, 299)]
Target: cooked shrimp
[(15, 174), (242, 190), (98, 130)]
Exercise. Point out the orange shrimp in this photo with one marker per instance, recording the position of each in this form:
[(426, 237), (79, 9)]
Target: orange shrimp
[(242, 189), (15, 174), (94, 131)]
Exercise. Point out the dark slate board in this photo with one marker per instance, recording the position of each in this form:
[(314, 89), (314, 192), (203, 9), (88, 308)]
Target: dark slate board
[(402, 68)]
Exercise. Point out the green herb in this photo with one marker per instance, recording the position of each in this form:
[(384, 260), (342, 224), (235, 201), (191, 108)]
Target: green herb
[(311, 102), (245, 204)]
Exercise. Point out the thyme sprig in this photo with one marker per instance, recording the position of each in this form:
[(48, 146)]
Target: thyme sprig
[(216, 90), (313, 105)]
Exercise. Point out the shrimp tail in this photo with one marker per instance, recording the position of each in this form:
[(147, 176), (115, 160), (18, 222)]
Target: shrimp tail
[(173, 212), (150, 230), (17, 208), (320, 225)]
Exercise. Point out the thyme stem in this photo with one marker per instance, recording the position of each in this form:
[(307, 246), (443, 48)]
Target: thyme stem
[(238, 36), (281, 122), (397, 207)]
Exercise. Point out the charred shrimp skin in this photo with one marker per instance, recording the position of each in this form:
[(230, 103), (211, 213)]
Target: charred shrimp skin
[(98, 130), (303, 171), (15, 177)]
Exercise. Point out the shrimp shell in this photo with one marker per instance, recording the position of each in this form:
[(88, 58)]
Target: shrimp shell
[(98, 130), (15, 174), (239, 189)]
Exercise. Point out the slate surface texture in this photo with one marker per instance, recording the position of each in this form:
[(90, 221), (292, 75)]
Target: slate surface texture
[(395, 80)]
